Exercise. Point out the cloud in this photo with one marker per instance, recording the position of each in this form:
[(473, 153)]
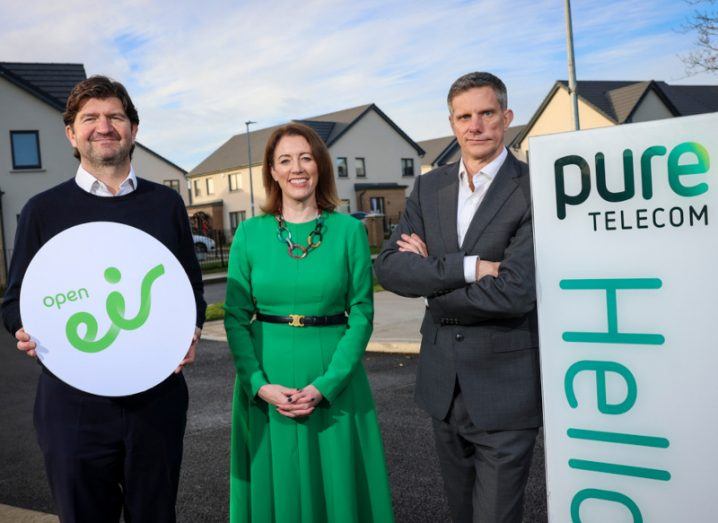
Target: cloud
[(198, 71)]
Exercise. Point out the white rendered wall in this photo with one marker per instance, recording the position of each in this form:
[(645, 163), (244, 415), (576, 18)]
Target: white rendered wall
[(651, 108), (20, 111), (382, 148)]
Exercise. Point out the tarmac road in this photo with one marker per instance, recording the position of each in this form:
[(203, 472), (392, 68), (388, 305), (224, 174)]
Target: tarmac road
[(413, 469), (215, 292)]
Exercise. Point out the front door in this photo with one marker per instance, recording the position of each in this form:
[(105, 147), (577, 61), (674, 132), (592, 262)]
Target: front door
[(376, 205)]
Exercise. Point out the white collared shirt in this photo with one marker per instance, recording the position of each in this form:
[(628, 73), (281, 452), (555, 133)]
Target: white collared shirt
[(469, 202), (89, 183)]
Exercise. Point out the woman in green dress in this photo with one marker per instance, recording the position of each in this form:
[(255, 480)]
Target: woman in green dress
[(306, 445)]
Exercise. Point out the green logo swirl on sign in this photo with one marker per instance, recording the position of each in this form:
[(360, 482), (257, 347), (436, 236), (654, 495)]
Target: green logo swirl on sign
[(115, 306)]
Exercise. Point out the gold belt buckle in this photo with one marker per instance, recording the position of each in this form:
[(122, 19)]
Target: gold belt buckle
[(296, 320)]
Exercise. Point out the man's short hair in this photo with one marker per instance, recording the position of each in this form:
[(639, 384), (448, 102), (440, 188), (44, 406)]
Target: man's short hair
[(475, 80), (100, 87)]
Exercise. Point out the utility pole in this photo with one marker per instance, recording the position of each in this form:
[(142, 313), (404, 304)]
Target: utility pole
[(571, 67), (249, 155)]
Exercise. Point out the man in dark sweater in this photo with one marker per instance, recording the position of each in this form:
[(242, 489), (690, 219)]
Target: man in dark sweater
[(106, 454)]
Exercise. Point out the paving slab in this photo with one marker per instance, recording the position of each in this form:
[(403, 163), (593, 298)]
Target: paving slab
[(21, 515)]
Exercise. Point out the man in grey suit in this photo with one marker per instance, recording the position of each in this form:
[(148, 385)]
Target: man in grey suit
[(465, 243)]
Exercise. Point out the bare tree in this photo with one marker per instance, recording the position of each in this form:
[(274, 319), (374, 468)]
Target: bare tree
[(704, 22)]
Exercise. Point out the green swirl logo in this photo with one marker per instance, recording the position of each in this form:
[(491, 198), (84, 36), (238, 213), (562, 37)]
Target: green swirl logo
[(115, 307)]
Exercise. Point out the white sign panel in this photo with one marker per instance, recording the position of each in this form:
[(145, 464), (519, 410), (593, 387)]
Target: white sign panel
[(110, 307), (626, 249)]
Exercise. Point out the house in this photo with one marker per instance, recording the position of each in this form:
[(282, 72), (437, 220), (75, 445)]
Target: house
[(34, 152), (375, 163), (440, 151), (607, 103)]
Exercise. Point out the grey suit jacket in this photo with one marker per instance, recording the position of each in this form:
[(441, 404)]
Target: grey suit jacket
[(483, 334)]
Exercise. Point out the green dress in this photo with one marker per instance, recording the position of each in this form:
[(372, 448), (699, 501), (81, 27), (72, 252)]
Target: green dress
[(329, 466)]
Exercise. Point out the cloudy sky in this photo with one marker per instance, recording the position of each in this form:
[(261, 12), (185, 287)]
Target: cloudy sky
[(198, 70)]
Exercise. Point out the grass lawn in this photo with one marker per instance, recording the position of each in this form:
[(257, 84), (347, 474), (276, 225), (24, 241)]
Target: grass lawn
[(215, 311)]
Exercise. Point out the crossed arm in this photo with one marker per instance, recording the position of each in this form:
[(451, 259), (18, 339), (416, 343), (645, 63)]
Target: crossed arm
[(414, 243), (509, 293), (502, 289), (409, 273)]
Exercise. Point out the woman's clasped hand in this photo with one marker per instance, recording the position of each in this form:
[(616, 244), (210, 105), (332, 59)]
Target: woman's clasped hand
[(293, 403)]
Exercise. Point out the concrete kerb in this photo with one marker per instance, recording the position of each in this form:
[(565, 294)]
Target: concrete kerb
[(394, 347), (21, 515), (217, 277)]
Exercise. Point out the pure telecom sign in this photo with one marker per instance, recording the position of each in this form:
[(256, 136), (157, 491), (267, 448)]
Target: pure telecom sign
[(626, 248), (114, 318)]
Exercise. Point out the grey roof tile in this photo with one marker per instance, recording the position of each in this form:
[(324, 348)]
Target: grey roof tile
[(624, 99), (434, 148), (53, 80), (691, 99), (617, 100), (233, 153), (342, 119), (511, 133), (323, 129), (595, 93)]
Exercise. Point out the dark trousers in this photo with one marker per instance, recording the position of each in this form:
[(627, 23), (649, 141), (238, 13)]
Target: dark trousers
[(484, 472), (105, 455)]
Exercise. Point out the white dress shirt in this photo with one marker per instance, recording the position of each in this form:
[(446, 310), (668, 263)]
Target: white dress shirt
[(89, 183), (469, 202)]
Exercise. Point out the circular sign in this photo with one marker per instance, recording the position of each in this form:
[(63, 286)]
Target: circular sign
[(110, 308)]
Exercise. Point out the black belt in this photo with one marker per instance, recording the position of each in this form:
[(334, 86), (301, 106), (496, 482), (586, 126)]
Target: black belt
[(299, 320)]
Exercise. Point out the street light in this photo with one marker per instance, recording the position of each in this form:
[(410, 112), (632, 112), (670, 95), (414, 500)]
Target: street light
[(571, 66), (249, 155)]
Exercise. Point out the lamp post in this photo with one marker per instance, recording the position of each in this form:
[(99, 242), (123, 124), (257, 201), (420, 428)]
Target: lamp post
[(571, 67), (249, 155)]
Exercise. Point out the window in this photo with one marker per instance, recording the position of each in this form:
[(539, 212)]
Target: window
[(407, 167), (342, 171), (172, 184), (197, 188), (235, 218), (360, 167), (234, 182), (210, 186), (25, 149)]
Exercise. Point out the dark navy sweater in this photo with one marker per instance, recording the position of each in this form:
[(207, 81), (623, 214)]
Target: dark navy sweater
[(155, 209)]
